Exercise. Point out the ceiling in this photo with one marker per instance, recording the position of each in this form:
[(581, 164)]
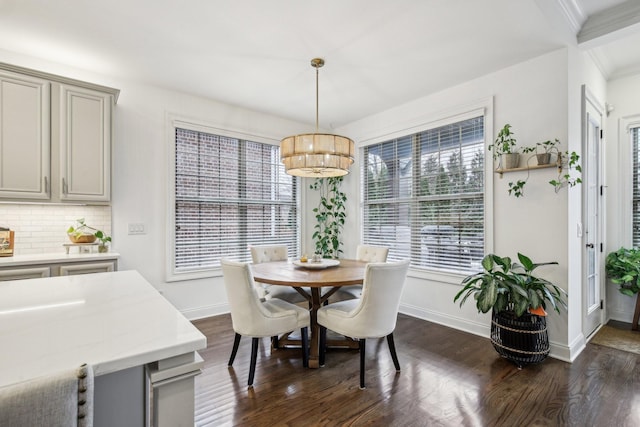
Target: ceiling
[(256, 54)]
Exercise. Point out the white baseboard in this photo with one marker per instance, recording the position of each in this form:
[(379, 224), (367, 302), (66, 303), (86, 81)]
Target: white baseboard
[(206, 311)]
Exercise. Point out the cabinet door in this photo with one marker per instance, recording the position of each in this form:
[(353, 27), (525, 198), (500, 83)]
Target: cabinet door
[(24, 137), (85, 144), (86, 268), (24, 273)]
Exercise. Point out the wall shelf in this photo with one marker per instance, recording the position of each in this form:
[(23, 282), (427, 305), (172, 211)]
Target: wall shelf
[(527, 168)]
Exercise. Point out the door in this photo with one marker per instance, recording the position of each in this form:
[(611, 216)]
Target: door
[(593, 292)]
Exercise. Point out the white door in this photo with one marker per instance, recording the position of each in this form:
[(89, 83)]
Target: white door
[(593, 221)]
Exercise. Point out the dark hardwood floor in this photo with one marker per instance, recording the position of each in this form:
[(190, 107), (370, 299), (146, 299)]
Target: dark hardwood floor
[(448, 378)]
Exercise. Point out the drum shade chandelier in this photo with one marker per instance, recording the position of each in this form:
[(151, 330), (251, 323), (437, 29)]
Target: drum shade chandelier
[(317, 155)]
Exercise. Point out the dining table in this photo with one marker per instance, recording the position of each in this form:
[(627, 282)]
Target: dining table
[(316, 281)]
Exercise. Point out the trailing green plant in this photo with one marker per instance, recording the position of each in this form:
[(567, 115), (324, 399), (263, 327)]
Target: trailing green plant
[(330, 216), (623, 268), (517, 189), (568, 171), (507, 286), (505, 143)]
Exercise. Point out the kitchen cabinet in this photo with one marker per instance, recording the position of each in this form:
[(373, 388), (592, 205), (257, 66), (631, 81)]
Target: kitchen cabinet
[(24, 136), (24, 273), (82, 124), (87, 268), (55, 136), (20, 267)]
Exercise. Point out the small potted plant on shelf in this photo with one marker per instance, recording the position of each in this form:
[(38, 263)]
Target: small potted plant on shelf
[(104, 241), (545, 149), (518, 300), (504, 149), (623, 268)]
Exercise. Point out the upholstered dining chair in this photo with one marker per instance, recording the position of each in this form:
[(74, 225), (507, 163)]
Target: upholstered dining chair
[(367, 253), (257, 319), (267, 253), (62, 399), (373, 315)]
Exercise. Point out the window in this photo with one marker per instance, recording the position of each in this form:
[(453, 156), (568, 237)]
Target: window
[(635, 143), (229, 193), (423, 196)]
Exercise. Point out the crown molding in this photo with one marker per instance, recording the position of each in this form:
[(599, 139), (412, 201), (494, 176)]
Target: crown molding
[(573, 13), (610, 24)]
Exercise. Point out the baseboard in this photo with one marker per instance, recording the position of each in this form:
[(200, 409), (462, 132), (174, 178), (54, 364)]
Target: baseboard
[(205, 311), (465, 325), (556, 350)]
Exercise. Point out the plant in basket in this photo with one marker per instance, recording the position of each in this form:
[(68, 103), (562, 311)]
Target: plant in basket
[(518, 300)]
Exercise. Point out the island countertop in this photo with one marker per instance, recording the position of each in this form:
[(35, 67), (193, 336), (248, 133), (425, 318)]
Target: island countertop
[(112, 321)]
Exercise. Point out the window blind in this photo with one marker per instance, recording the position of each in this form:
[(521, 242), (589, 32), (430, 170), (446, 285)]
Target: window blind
[(229, 194), (423, 196), (635, 143)]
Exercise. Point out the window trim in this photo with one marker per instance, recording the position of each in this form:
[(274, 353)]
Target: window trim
[(422, 123), (176, 121), (626, 176)]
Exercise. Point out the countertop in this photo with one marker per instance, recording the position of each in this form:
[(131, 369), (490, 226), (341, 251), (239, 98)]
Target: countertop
[(50, 258), (112, 321)]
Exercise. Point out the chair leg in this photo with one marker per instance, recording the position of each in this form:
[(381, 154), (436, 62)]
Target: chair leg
[(305, 347), (362, 347), (392, 349), (254, 356), (322, 345), (236, 343), (275, 342)]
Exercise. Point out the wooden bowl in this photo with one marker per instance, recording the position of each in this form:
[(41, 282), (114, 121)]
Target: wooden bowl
[(83, 238)]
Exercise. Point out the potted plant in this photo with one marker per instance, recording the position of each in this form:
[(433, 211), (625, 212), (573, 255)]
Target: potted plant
[(330, 216), (104, 240), (545, 149), (518, 300), (623, 268), (504, 149)]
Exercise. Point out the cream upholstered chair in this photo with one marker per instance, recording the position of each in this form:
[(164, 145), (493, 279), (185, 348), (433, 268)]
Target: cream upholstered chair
[(366, 253), (373, 315), (62, 399), (267, 253), (255, 318)]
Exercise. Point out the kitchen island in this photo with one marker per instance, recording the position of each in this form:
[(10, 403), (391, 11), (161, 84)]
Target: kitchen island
[(137, 343)]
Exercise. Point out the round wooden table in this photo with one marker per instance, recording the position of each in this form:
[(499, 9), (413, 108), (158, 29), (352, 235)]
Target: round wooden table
[(285, 273)]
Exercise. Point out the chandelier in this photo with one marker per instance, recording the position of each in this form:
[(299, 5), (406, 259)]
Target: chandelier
[(317, 155)]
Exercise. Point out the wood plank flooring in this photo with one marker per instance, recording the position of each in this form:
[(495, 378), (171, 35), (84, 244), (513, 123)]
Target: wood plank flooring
[(448, 378)]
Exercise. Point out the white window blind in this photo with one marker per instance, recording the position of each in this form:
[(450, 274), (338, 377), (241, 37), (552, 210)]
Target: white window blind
[(635, 143), (423, 196), (229, 194)]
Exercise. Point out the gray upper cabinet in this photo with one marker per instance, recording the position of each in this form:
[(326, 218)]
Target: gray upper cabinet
[(55, 138), (24, 137), (84, 121)]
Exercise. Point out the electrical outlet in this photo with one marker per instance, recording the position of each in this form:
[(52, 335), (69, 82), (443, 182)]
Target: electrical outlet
[(136, 228)]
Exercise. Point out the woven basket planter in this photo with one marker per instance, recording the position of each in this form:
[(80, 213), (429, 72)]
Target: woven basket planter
[(522, 340)]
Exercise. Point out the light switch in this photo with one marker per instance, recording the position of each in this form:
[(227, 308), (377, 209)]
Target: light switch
[(136, 228)]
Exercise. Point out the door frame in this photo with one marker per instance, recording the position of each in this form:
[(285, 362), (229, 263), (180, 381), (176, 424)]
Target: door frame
[(588, 98)]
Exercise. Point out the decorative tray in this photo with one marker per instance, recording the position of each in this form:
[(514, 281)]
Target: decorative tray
[(325, 263)]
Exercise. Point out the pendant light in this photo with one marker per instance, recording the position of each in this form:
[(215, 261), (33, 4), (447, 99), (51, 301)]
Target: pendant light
[(317, 155)]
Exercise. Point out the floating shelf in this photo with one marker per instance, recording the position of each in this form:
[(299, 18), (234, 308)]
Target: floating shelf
[(526, 168)]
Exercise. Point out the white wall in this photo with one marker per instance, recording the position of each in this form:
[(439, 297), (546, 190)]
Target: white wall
[(532, 97), (622, 94)]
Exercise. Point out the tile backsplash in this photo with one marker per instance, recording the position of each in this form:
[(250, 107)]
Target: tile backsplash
[(42, 228)]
